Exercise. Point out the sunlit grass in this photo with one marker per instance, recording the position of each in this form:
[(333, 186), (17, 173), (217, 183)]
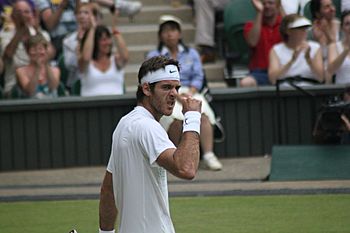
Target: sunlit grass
[(308, 213)]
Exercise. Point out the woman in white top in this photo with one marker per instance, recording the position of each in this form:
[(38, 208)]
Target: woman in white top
[(339, 53), (295, 56), (100, 67)]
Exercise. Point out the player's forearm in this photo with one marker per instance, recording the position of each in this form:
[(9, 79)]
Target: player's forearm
[(11, 48), (187, 155), (54, 18), (107, 210), (254, 34)]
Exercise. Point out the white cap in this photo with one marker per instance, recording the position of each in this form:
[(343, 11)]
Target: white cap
[(300, 22), (169, 18)]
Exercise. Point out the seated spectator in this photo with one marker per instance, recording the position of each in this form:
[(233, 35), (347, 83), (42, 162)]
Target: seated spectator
[(261, 34), (325, 28), (72, 42), (295, 56), (205, 27), (192, 79), (38, 79), (12, 41), (58, 17), (100, 66), (339, 53)]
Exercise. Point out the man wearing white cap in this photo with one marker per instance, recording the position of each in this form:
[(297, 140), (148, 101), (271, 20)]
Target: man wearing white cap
[(135, 183)]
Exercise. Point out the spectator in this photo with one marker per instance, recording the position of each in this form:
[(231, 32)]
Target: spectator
[(6, 7), (192, 78), (72, 42), (12, 41), (135, 184), (261, 34), (293, 7), (295, 56), (58, 17), (325, 26), (101, 68), (205, 26), (38, 79), (338, 53)]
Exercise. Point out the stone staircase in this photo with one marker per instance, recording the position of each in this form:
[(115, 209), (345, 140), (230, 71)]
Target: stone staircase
[(141, 34)]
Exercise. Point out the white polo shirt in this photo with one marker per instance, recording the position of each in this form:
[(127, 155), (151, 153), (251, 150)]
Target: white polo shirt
[(140, 185)]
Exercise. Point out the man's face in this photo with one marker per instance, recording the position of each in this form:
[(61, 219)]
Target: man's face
[(163, 97), (23, 13), (271, 8), (83, 17)]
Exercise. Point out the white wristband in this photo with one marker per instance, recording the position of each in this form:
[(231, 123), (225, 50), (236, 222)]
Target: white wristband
[(101, 231), (192, 121)]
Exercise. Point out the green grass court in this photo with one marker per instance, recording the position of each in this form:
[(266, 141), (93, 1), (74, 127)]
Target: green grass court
[(241, 214)]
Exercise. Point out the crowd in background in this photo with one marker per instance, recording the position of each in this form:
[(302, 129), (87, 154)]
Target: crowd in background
[(40, 37), (282, 44)]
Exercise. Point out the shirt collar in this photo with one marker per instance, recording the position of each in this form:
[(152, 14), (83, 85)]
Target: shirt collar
[(165, 50)]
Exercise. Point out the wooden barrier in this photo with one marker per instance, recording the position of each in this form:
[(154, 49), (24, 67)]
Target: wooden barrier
[(76, 131)]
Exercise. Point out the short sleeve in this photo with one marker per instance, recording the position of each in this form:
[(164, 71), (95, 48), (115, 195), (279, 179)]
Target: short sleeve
[(154, 140), (247, 27)]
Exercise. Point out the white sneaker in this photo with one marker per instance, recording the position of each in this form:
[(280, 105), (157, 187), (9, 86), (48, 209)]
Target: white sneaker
[(128, 8), (211, 161)]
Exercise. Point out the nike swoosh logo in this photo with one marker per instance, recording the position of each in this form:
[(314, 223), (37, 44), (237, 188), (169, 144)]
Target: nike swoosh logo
[(172, 71)]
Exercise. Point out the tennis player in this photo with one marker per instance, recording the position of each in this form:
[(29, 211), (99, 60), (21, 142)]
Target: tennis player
[(135, 188)]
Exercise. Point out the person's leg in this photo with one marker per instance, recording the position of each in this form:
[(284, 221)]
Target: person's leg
[(206, 141), (256, 78), (207, 145), (248, 81), (207, 135), (205, 22), (205, 27)]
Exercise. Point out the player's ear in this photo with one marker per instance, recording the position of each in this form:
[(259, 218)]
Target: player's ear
[(146, 89)]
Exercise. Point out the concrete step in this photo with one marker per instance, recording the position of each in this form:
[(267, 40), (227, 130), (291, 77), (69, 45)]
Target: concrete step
[(148, 34), (174, 3), (137, 53), (151, 14)]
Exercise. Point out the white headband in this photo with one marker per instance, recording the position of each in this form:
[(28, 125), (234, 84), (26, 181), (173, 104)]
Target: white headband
[(170, 72)]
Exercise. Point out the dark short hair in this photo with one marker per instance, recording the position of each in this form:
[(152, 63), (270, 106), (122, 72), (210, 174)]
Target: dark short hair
[(150, 65)]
